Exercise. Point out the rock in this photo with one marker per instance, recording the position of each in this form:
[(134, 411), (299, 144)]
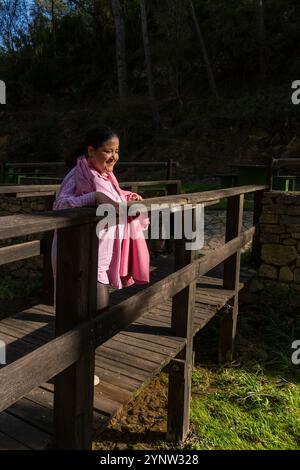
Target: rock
[(256, 285), (268, 218), (268, 271), (269, 238), (287, 197), (285, 274), (296, 235), (290, 242), (247, 297), (297, 276), (293, 210), (13, 208), (270, 228), (278, 255), (298, 262)]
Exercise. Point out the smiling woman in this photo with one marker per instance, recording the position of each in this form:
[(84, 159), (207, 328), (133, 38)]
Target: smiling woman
[(2, 92)]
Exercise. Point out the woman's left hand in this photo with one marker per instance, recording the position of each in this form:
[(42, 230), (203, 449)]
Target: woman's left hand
[(135, 197)]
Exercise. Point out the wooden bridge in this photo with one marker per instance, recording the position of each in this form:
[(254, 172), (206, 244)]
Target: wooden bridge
[(47, 397)]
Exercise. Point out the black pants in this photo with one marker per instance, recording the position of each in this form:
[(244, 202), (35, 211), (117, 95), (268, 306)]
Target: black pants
[(102, 297)]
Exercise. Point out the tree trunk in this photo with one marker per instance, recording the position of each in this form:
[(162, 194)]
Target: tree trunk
[(261, 39), (148, 64), (208, 67), (120, 50), (53, 22)]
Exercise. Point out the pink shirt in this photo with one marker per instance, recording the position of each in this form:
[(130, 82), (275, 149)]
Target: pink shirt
[(109, 255)]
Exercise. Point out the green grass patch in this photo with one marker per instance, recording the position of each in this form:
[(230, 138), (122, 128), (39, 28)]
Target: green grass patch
[(17, 288), (254, 403)]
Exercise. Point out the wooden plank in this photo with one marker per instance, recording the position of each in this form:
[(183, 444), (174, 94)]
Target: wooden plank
[(182, 325), (132, 349), (12, 226), (109, 362), (74, 387), (9, 254), (141, 344), (234, 224), (23, 432), (38, 416), (8, 443)]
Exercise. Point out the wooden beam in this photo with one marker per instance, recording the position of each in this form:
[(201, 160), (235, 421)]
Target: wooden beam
[(231, 279), (182, 325), (77, 261), (9, 254)]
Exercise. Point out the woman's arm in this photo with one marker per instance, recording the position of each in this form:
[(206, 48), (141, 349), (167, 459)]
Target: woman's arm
[(66, 197)]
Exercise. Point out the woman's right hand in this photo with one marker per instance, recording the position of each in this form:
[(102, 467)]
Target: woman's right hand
[(103, 199)]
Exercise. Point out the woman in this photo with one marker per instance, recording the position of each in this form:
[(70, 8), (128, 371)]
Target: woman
[(91, 181)]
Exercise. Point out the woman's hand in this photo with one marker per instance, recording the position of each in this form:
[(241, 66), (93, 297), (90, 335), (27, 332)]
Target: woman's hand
[(103, 199), (135, 197)]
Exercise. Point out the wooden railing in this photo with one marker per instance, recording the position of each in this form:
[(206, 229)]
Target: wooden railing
[(70, 357), (45, 190), (7, 168)]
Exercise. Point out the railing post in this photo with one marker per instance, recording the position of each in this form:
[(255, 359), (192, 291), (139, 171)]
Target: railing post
[(257, 211), (174, 188), (48, 281), (2, 172), (170, 169), (180, 372), (77, 258), (231, 279)]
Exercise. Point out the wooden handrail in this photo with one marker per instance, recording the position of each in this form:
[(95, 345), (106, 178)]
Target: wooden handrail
[(37, 222), (53, 188), (30, 371), (62, 164)]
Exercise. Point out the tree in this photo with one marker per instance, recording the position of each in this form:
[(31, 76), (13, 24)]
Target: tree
[(120, 50), (14, 23), (208, 67), (261, 39), (149, 64)]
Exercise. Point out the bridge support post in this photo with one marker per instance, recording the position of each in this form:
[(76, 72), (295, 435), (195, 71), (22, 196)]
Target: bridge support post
[(180, 371), (77, 257), (231, 279)]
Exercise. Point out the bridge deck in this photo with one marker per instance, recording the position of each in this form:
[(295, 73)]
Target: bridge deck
[(125, 363)]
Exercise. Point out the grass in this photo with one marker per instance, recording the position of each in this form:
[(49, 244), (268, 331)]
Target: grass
[(254, 403), (18, 288), (238, 409)]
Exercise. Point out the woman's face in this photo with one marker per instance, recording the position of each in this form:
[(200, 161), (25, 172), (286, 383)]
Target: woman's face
[(105, 157)]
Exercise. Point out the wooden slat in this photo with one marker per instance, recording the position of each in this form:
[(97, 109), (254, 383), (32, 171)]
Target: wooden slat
[(23, 432), (8, 443), (9, 254)]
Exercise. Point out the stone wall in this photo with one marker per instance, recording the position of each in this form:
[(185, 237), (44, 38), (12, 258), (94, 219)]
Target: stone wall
[(280, 238)]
